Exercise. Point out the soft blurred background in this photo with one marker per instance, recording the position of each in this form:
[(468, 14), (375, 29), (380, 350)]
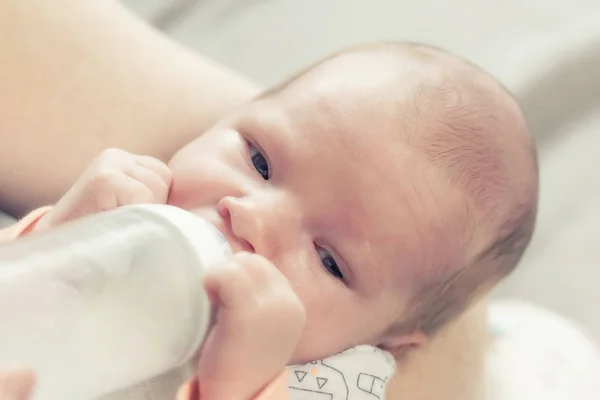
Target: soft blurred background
[(546, 51)]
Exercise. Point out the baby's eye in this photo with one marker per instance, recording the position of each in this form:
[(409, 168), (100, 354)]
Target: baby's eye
[(260, 162), (329, 263)]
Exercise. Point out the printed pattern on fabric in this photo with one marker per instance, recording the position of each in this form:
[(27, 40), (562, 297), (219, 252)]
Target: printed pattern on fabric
[(360, 373)]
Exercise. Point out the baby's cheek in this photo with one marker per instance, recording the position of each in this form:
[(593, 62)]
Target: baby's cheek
[(322, 338), (328, 326), (185, 190), (195, 183)]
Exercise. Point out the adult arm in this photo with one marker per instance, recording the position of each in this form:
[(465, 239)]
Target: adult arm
[(80, 76)]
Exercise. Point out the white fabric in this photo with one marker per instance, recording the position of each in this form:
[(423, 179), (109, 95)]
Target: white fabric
[(361, 373)]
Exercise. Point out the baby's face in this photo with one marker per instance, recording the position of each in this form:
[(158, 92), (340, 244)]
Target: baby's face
[(318, 180)]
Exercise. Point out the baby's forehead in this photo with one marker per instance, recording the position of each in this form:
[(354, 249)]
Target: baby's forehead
[(356, 175), (384, 115), (378, 77), (354, 118)]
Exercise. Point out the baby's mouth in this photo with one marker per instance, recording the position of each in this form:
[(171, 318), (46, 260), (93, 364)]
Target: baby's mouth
[(225, 234), (235, 244)]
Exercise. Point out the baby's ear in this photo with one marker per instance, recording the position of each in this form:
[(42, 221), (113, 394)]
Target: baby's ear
[(398, 344)]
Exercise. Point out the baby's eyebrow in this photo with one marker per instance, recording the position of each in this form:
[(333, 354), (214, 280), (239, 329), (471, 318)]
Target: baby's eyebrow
[(265, 129)]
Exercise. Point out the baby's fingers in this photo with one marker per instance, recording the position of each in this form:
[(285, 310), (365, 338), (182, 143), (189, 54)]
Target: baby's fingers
[(240, 283), (157, 166), (228, 288), (157, 185)]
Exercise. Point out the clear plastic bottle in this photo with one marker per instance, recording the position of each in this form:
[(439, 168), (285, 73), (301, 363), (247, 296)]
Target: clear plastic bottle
[(106, 301)]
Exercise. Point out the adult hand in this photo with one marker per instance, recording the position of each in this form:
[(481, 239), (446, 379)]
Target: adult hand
[(16, 384)]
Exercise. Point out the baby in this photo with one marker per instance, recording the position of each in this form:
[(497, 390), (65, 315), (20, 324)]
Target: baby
[(371, 199)]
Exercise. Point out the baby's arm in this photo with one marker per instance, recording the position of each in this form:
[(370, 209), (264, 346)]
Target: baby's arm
[(123, 105)]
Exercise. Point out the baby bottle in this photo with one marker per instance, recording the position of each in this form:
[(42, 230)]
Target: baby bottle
[(107, 301)]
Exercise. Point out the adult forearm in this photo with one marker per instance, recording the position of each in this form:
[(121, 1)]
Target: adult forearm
[(77, 77)]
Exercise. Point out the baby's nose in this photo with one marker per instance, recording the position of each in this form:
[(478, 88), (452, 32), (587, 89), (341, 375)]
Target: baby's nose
[(234, 233), (259, 225)]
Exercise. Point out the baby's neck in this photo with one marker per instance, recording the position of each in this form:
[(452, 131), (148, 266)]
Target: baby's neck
[(451, 367)]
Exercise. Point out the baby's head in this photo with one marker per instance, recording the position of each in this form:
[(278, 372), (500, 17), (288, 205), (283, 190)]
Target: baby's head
[(391, 183)]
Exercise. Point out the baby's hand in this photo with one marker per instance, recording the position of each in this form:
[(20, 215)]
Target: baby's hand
[(115, 178), (258, 324)]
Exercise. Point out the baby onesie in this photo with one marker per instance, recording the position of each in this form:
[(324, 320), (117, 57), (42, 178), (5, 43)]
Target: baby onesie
[(360, 373)]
